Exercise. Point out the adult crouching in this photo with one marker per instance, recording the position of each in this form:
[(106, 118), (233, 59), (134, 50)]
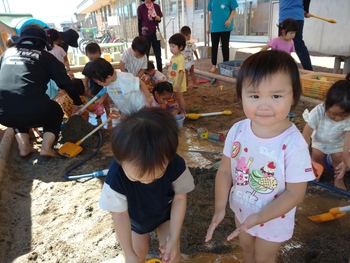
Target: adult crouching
[(25, 70)]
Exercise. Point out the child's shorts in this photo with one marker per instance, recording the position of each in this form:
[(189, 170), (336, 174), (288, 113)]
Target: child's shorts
[(147, 225)]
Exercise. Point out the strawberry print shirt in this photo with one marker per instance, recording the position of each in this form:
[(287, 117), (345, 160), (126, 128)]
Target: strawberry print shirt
[(260, 170)]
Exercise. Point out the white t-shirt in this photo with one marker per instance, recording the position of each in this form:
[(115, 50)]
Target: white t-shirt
[(58, 52), (133, 65), (126, 93), (328, 135), (260, 170)]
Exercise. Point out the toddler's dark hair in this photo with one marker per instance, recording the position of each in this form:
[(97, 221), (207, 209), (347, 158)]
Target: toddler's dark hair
[(99, 69), (78, 83), (339, 94), (288, 25), (92, 48), (140, 44), (150, 65), (148, 138), (162, 88), (178, 40), (185, 30), (264, 64), (52, 35)]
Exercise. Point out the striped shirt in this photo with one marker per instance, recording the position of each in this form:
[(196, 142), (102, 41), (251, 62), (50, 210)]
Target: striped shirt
[(133, 65), (328, 135)]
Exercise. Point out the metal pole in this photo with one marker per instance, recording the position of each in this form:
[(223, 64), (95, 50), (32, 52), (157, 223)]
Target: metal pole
[(164, 28), (183, 12), (205, 23)]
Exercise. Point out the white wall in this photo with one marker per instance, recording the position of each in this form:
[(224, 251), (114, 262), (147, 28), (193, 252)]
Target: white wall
[(324, 37)]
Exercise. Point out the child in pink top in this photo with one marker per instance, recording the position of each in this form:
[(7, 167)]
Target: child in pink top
[(284, 42), (266, 163)]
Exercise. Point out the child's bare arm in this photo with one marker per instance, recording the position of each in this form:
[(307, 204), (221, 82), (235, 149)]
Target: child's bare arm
[(122, 66), (307, 131), (145, 90), (122, 227), (223, 184), (66, 63), (290, 198), (346, 151), (266, 47), (86, 85), (196, 54), (178, 211), (141, 73)]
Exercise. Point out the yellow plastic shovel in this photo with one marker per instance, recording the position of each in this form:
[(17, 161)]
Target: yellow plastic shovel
[(333, 213), (70, 149), (196, 116), (324, 19)]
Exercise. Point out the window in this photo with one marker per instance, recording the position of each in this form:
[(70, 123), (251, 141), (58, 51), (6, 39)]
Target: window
[(198, 4)]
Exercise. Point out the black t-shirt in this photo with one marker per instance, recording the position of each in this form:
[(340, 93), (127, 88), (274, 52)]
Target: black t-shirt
[(148, 204), (24, 74)]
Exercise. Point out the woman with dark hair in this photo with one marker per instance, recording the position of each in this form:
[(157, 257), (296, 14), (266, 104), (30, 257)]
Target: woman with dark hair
[(149, 16)]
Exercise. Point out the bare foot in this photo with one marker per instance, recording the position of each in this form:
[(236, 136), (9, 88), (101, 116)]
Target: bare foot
[(340, 184), (49, 153), (213, 69), (24, 152)]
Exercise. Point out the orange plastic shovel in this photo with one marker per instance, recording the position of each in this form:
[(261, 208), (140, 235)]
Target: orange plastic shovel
[(333, 213), (324, 19), (154, 260), (70, 149)]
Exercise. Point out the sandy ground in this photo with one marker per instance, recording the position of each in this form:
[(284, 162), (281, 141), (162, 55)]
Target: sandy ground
[(47, 217)]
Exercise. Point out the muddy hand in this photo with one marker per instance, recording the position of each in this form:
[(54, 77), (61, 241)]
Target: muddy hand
[(214, 224), (237, 232)]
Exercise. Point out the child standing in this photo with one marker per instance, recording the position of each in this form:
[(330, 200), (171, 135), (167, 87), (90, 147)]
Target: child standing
[(288, 28), (92, 51), (266, 162), (134, 59), (327, 124), (147, 184), (176, 72), (188, 53), (53, 39), (127, 92)]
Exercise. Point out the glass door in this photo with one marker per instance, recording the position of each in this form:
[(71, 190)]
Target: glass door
[(251, 21)]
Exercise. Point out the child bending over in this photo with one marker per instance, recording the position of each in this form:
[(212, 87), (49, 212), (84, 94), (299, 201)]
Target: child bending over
[(154, 76), (188, 52), (147, 184), (92, 51), (176, 72), (162, 92), (134, 59), (266, 163), (327, 124), (127, 92), (288, 28)]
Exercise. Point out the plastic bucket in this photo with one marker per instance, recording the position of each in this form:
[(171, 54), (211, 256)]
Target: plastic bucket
[(180, 120)]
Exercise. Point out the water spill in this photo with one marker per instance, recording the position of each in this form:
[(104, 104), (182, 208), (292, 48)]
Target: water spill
[(192, 149)]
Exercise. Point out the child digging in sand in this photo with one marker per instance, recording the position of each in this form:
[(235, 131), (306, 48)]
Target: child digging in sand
[(147, 184), (327, 124)]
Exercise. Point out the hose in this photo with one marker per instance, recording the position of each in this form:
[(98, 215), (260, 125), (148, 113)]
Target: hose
[(94, 174), (331, 188)]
